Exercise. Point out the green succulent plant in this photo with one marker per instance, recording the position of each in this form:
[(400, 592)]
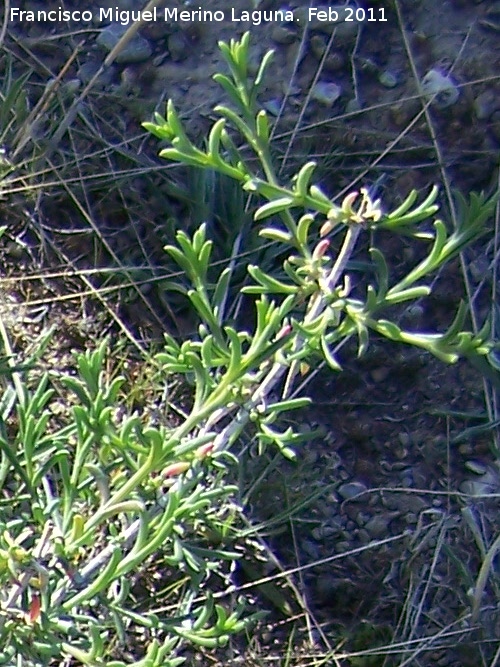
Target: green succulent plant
[(95, 495)]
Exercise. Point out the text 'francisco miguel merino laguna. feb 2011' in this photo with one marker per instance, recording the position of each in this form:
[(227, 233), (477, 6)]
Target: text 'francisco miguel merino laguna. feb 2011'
[(176, 15)]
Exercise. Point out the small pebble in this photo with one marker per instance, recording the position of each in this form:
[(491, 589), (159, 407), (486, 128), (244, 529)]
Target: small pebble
[(353, 105), (343, 547), (324, 532), (361, 518), (15, 250), (476, 467), (401, 113), (310, 548), (377, 526), (318, 46), (128, 80), (324, 588), (404, 438), (272, 107), (475, 488), (485, 485), (351, 490), (346, 34), (440, 88), (326, 93), (380, 374), (178, 47), (366, 65), (479, 268), (364, 537), (334, 62), (407, 480), (136, 51), (413, 314), (282, 35), (404, 503), (70, 87), (388, 79), (486, 104), (89, 69)]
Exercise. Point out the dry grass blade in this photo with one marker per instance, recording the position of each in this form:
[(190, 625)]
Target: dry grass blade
[(486, 570)]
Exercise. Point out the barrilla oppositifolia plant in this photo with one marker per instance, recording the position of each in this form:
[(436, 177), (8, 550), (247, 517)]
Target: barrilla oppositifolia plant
[(97, 500), (305, 310)]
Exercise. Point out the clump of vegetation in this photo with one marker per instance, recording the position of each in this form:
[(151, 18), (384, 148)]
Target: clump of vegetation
[(99, 500)]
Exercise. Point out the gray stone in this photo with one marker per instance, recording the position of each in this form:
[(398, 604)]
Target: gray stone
[(283, 35), (482, 486), (366, 65), (361, 518), (346, 32), (407, 480), (310, 549), (71, 87), (364, 536), (440, 88), (324, 532), (324, 588), (404, 438), (474, 488), (334, 62), (177, 47), (353, 105), (404, 503), (273, 107), (476, 467), (377, 526), (351, 490), (380, 374), (388, 79), (326, 93), (318, 45), (90, 68), (136, 51), (343, 547), (486, 103)]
